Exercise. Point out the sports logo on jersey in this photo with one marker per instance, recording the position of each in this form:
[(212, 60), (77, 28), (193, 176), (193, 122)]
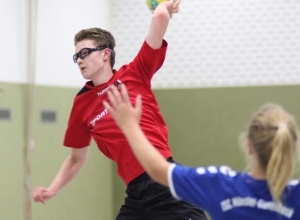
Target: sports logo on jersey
[(103, 91), (98, 117), (116, 83)]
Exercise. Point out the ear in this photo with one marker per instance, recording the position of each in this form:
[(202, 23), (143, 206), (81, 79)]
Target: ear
[(250, 149), (107, 53)]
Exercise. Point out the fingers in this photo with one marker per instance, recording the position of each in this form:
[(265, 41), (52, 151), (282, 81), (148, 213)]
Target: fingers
[(124, 92), (107, 106), (175, 10), (47, 195), (117, 99), (176, 6), (40, 198), (138, 103), (41, 194), (112, 100), (38, 194)]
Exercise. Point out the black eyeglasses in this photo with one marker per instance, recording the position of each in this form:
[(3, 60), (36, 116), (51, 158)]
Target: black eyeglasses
[(86, 51)]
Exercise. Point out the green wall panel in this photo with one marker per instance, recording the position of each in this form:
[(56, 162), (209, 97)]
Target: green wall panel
[(12, 138), (204, 126), (88, 196)]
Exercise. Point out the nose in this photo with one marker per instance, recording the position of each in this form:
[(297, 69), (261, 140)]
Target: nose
[(79, 60)]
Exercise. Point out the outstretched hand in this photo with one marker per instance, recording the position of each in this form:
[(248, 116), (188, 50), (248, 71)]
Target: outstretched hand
[(121, 109)]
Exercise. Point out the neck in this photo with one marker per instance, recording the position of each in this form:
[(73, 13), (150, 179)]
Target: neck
[(102, 77), (257, 173)]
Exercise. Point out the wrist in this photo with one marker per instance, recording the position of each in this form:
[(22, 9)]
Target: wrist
[(130, 128), (53, 190)]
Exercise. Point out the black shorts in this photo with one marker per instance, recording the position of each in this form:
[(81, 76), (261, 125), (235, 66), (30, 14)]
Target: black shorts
[(148, 200)]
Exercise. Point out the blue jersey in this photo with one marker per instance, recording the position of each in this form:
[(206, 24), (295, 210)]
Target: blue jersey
[(230, 195)]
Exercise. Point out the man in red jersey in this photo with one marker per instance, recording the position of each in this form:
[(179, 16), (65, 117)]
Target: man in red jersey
[(95, 57)]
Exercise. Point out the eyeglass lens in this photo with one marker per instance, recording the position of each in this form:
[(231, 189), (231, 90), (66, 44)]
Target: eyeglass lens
[(82, 54)]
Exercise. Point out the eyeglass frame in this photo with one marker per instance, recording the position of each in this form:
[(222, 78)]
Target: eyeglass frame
[(90, 50)]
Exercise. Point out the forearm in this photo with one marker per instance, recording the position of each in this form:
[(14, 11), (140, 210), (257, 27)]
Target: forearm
[(149, 157), (158, 27), (67, 172)]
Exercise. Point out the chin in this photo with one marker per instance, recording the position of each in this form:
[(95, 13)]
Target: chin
[(86, 77)]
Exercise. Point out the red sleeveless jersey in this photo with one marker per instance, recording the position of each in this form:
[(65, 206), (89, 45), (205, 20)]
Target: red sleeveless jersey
[(89, 119)]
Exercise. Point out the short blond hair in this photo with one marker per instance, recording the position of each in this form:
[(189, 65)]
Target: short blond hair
[(101, 38)]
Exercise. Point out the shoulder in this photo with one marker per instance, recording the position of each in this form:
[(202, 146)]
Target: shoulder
[(217, 170), (121, 70), (87, 87), (83, 97), (203, 180), (83, 90), (223, 172), (295, 183), (294, 186)]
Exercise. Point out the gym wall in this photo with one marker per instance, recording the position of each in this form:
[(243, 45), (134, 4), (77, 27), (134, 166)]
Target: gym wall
[(225, 60)]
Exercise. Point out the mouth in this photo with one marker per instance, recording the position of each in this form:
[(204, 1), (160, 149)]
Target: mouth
[(82, 68)]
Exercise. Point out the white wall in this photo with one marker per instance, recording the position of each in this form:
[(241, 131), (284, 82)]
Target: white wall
[(212, 43), (57, 23), (218, 42), (13, 39)]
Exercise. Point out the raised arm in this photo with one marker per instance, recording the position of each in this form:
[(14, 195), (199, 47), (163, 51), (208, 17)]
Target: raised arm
[(160, 20), (128, 117), (69, 169)]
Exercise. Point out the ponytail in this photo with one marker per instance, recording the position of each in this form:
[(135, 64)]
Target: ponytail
[(280, 165)]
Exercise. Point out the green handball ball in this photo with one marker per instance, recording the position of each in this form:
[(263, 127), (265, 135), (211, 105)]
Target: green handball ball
[(152, 4)]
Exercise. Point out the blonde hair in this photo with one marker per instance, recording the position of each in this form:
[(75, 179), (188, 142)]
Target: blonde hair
[(101, 38), (273, 134)]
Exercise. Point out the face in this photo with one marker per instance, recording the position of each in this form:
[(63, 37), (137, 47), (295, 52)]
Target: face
[(92, 64)]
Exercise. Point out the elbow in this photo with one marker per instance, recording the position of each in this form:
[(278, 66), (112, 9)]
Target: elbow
[(158, 175), (156, 178), (77, 161), (153, 175), (161, 16)]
